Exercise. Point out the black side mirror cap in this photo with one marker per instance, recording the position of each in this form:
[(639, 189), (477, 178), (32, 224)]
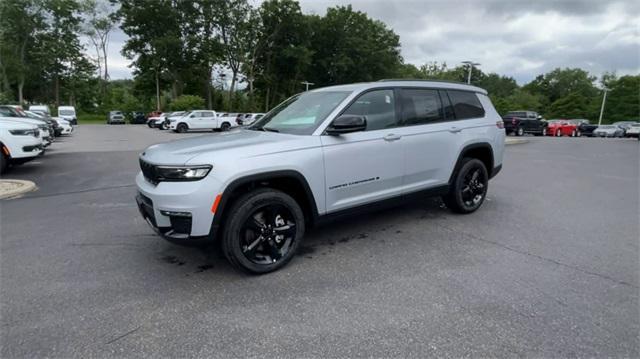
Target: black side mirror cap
[(347, 124)]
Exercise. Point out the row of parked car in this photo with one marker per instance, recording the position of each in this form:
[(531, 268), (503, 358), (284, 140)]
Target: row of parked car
[(519, 123), (25, 134), (184, 121)]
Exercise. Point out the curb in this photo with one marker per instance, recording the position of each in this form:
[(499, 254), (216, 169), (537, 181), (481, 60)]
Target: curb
[(13, 188), (510, 141)]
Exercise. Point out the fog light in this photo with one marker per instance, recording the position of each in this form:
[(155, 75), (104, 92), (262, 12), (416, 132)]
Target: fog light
[(175, 214)]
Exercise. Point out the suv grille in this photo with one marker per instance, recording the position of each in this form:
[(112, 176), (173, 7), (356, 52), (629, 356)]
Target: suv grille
[(149, 172)]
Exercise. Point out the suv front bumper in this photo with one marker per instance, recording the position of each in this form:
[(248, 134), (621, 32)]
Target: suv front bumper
[(180, 212)]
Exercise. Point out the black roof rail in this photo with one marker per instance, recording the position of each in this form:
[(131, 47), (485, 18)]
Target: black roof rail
[(430, 80)]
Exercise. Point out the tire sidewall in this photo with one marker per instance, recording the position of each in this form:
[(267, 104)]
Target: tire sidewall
[(241, 210), (181, 128)]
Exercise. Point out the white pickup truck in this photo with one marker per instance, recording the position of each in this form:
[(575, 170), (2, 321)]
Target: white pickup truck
[(201, 120)]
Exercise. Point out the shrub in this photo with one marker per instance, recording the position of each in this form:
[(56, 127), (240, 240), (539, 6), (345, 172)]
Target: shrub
[(186, 103)]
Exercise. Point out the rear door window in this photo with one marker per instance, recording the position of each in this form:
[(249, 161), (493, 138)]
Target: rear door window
[(466, 104), (421, 106)]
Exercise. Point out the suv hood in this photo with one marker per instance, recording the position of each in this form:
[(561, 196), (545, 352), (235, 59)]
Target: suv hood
[(232, 144)]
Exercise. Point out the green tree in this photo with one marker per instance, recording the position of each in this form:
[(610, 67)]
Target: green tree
[(562, 82), (348, 47), (623, 101), (187, 102)]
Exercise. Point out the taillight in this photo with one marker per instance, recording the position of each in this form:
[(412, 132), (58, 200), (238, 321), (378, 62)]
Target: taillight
[(500, 124)]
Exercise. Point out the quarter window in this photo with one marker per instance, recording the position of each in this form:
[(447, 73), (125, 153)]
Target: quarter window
[(378, 107), (421, 106), (466, 104)]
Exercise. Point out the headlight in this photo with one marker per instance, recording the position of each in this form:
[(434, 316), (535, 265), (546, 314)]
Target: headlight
[(24, 132), (180, 173)]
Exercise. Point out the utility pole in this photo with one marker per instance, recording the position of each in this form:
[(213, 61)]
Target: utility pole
[(307, 83), (471, 64), (604, 99)]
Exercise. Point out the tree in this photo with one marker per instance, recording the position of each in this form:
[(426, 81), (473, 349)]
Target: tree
[(99, 23), (285, 55), (350, 47), (187, 103), (562, 82), (623, 101), (20, 30)]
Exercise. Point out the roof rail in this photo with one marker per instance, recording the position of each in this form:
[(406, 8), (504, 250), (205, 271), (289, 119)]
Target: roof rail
[(430, 80)]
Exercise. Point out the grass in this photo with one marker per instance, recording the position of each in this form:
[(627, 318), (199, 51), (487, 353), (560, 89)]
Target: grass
[(92, 119)]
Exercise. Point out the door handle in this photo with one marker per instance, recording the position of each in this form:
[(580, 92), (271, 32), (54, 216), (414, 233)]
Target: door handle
[(454, 129), (391, 137)]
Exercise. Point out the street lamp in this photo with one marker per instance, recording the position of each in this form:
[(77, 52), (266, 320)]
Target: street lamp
[(604, 98), (307, 83), (471, 64)]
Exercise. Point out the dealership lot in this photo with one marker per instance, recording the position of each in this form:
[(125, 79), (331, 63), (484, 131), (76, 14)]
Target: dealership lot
[(547, 267)]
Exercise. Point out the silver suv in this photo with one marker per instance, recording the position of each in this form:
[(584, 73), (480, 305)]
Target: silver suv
[(318, 154)]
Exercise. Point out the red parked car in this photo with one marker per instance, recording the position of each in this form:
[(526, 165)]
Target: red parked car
[(560, 128)]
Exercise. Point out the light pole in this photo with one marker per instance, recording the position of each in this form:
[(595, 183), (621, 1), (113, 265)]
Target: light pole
[(471, 64), (604, 99), (306, 84)]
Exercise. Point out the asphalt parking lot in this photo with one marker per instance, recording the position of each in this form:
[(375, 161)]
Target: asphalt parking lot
[(549, 267)]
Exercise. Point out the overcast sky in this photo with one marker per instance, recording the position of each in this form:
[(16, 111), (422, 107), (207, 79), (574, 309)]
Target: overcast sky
[(517, 38)]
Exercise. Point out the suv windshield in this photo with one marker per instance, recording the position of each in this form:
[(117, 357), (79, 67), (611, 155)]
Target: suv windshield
[(302, 113)]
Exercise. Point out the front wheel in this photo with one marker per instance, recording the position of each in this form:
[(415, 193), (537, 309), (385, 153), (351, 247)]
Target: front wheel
[(181, 128), (544, 131), (520, 132), (264, 231), (225, 126), (558, 133), (469, 187), (573, 133)]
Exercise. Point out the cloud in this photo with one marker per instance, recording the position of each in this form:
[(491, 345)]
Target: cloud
[(517, 38)]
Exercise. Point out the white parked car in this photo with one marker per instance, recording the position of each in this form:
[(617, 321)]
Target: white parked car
[(633, 131), (164, 123), (19, 143), (40, 108), (68, 113), (116, 117), (201, 120), (45, 136), (65, 126), (249, 118)]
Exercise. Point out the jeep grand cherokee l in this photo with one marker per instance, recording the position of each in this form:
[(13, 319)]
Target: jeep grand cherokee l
[(318, 154)]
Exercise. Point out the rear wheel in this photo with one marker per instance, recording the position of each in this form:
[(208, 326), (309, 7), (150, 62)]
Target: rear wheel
[(573, 133), (225, 126), (264, 231), (558, 133), (469, 187), (544, 131), (181, 128), (520, 132)]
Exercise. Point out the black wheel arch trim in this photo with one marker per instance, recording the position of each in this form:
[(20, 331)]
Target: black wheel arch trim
[(224, 203), (470, 147)]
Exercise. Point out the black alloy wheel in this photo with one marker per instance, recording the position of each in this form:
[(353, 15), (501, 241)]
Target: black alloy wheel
[(469, 187), (225, 126), (264, 232), (181, 128)]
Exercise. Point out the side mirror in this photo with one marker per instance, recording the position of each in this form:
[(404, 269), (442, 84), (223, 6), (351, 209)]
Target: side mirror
[(192, 116), (347, 124)]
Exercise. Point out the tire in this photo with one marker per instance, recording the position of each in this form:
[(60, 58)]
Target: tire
[(573, 133), (225, 126), (182, 128), (250, 214), (149, 124), (544, 131), (463, 182), (4, 162), (558, 133), (579, 133), (520, 131)]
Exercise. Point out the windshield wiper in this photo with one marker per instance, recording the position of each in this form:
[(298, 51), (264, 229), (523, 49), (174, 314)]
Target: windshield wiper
[(269, 129)]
